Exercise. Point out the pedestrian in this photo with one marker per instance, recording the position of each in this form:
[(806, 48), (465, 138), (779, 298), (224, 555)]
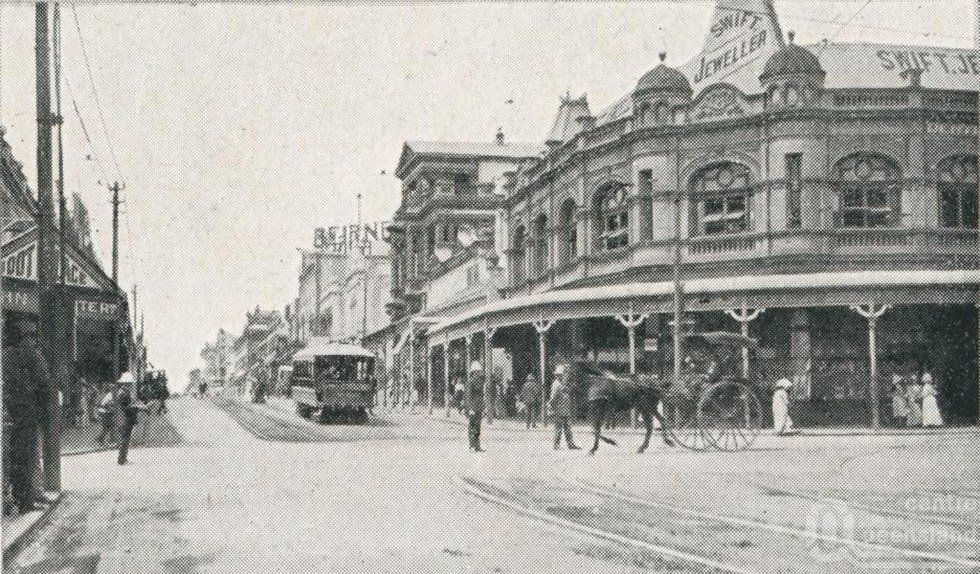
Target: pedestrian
[(129, 408), (106, 410), (25, 380), (931, 417), (531, 397), (913, 399), (459, 395), (561, 409), (474, 404), (781, 421), (900, 407)]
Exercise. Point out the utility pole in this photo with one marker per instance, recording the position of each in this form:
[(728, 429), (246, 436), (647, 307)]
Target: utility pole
[(48, 295), (116, 188)]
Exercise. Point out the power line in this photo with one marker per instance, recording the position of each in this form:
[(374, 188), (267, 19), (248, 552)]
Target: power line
[(845, 24), (95, 92)]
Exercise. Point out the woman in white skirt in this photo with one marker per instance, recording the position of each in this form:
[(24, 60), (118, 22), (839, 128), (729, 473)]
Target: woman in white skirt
[(931, 417), (781, 421)]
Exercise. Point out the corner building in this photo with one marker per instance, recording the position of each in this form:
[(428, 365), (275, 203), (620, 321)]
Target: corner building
[(820, 199)]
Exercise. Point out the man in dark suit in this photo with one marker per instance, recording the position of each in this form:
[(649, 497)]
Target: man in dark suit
[(25, 379), (474, 404), (129, 408)]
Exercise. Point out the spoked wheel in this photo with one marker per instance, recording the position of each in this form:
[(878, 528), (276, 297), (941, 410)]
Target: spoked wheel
[(731, 414), (681, 415)]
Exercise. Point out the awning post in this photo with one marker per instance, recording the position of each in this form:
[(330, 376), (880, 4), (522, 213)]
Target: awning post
[(542, 328), (429, 357), (872, 314), (744, 317), (488, 334)]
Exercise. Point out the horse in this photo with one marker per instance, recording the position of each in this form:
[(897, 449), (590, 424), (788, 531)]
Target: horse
[(610, 393)]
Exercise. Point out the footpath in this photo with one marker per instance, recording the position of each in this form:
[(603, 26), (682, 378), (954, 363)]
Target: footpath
[(153, 430)]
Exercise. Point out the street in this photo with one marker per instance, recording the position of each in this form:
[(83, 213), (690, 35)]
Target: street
[(404, 495)]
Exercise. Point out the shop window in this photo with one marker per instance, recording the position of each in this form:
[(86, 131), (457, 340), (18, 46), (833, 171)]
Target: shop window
[(613, 223), (794, 185), (957, 187), (721, 200), (519, 254), (869, 192)]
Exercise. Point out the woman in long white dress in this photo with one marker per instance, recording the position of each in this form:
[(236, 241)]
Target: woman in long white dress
[(781, 421), (931, 417), (913, 395)]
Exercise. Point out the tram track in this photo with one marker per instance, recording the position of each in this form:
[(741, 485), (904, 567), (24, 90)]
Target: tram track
[(726, 542)]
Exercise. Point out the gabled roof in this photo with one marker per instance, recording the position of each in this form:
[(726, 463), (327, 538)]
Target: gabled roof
[(413, 150)]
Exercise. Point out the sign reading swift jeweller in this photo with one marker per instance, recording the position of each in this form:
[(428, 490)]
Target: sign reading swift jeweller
[(741, 37)]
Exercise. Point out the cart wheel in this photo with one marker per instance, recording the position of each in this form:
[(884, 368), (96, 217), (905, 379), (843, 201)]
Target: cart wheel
[(683, 426), (731, 413)]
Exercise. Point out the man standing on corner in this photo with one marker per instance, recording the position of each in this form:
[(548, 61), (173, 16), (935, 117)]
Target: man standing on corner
[(474, 404), (561, 409), (25, 377), (129, 408)]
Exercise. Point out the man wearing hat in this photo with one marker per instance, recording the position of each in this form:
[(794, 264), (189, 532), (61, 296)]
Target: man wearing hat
[(474, 404), (561, 408), (781, 421), (129, 408), (25, 379)]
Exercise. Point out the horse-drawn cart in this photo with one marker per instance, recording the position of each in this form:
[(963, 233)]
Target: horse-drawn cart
[(709, 408)]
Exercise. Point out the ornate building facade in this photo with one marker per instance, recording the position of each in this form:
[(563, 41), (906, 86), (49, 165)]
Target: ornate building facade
[(822, 199)]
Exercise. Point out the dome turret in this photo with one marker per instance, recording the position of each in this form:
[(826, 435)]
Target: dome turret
[(663, 78), (792, 61)]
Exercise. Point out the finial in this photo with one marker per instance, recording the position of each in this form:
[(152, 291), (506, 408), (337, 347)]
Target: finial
[(663, 56), (791, 35)]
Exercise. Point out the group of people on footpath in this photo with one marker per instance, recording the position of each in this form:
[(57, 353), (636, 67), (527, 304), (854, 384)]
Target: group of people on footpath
[(122, 406), (914, 404), (560, 405)]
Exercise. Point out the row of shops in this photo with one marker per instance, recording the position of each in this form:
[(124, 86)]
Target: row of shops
[(822, 200)]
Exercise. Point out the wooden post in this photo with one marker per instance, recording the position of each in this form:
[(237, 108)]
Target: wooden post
[(445, 372), (631, 321), (744, 317), (542, 328), (429, 356), (872, 314), (488, 334)]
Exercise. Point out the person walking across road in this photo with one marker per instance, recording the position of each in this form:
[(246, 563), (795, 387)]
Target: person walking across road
[(25, 379), (931, 417), (531, 397), (474, 404), (561, 408), (106, 410), (781, 421), (129, 408)]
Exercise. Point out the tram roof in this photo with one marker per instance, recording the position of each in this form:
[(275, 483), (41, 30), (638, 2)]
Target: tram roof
[(327, 348)]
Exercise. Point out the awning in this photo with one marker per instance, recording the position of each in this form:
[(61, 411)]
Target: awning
[(541, 305), (411, 328)]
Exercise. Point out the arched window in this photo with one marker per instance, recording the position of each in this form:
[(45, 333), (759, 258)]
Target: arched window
[(519, 254), (612, 217), (869, 191), (721, 199), (957, 187), (540, 244), (567, 232)]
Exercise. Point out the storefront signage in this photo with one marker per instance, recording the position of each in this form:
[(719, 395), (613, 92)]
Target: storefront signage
[(96, 309), (342, 238), (22, 264), (19, 301), (742, 32)]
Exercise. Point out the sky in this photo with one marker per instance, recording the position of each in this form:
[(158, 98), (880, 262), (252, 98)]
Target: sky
[(239, 128)]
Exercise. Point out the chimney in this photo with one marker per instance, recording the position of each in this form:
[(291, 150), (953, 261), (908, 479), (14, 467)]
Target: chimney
[(500, 136)]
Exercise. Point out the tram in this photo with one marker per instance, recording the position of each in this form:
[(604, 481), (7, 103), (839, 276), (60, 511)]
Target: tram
[(334, 380)]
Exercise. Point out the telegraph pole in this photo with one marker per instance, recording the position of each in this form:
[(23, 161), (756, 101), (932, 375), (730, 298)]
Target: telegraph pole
[(116, 188), (48, 296)]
